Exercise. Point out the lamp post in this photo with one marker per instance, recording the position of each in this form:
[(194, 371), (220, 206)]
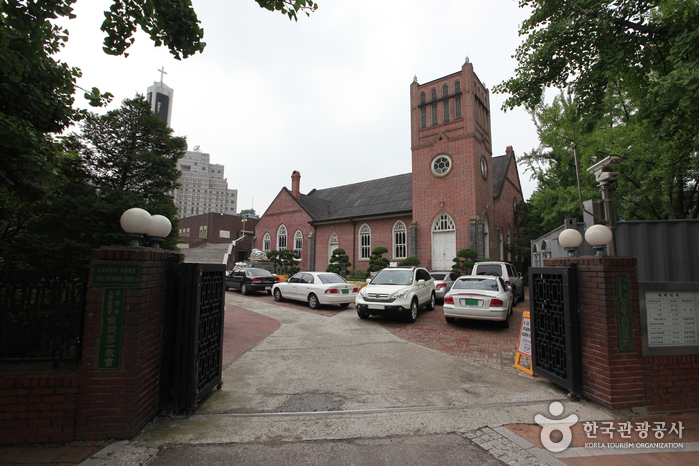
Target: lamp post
[(599, 236), (136, 222), (570, 239), (159, 230)]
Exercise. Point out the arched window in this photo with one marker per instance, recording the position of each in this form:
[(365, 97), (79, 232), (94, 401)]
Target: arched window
[(443, 223), (298, 243), (365, 242), (486, 238), (400, 249), (266, 243), (457, 99), (445, 103), (333, 244), (433, 97), (509, 244), (423, 111), (281, 238)]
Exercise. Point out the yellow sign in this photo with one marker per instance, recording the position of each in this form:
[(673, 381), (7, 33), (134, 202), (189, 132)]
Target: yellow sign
[(524, 347)]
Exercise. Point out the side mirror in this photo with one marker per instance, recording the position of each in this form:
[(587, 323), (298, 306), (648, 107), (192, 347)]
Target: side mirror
[(421, 282), (368, 280), (519, 274)]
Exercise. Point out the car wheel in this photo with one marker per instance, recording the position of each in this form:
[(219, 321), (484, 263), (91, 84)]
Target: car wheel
[(227, 287), (243, 289), (269, 292), (344, 305), (521, 298), (433, 303), (313, 301), (362, 314), (450, 320), (278, 295), (412, 315)]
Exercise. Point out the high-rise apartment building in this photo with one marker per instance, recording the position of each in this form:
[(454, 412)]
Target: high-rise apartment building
[(203, 187)]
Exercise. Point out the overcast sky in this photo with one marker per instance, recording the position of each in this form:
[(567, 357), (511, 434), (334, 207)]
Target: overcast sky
[(328, 95)]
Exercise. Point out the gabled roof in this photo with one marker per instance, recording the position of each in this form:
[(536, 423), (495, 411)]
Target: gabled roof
[(501, 166), (375, 197)]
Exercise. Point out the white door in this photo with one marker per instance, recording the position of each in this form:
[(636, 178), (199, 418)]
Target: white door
[(443, 243)]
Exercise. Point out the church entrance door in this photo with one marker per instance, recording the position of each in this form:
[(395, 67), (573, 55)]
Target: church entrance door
[(443, 243)]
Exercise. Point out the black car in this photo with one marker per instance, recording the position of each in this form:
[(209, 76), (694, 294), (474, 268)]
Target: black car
[(250, 279)]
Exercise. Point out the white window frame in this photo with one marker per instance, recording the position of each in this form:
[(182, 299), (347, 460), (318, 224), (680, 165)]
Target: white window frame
[(281, 238), (266, 243), (365, 242), (298, 243), (333, 243), (400, 240)]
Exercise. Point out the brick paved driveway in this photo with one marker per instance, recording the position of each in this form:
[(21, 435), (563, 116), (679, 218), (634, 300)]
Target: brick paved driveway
[(481, 342)]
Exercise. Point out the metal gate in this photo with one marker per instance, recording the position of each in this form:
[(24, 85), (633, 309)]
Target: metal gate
[(192, 362), (556, 350)]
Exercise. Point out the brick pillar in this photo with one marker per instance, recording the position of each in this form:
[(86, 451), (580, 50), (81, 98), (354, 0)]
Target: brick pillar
[(613, 374), (119, 383)]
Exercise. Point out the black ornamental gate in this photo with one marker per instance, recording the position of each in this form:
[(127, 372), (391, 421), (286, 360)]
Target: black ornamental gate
[(192, 362), (555, 327)]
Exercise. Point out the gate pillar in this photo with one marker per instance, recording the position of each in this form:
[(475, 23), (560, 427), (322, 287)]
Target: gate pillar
[(610, 330), (122, 342)]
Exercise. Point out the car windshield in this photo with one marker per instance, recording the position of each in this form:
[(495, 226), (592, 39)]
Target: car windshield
[(331, 278), (488, 269), (438, 276), (258, 273), (393, 277), (475, 284)]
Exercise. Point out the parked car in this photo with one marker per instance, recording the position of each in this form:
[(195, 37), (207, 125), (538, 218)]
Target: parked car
[(504, 270), (250, 279), (483, 297), (397, 289), (316, 288), (443, 282)]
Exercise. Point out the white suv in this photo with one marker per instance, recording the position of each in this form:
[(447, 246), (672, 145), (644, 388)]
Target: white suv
[(397, 289), (504, 270)]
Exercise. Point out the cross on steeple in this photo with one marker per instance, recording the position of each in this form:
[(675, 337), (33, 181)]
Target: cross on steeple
[(162, 72)]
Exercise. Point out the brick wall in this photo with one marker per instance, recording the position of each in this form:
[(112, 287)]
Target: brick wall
[(37, 403), (117, 403), (623, 379), (503, 208)]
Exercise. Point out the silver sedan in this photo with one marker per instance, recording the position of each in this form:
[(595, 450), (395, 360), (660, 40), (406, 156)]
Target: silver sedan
[(443, 281), (484, 297), (316, 288)]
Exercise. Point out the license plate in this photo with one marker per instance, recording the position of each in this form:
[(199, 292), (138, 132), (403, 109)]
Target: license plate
[(469, 302), (268, 287), (345, 291)]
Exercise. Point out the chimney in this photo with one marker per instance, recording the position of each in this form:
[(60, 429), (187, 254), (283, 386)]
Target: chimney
[(296, 184), (508, 149)]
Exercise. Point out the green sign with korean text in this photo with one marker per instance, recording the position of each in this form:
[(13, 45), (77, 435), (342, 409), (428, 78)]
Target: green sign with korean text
[(623, 307), (112, 326), (116, 274)]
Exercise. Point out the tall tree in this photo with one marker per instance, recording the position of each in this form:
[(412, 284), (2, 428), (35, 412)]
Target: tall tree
[(36, 90)]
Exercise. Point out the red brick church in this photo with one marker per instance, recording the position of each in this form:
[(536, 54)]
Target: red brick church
[(457, 196)]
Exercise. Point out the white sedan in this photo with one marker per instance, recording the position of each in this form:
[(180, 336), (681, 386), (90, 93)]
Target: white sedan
[(482, 297), (316, 288)]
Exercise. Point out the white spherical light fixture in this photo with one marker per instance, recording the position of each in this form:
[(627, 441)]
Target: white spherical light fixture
[(136, 222), (570, 239), (598, 236), (159, 230)]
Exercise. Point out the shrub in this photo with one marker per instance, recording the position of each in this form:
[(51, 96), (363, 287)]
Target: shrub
[(464, 260), (377, 261), (410, 262), (337, 260)]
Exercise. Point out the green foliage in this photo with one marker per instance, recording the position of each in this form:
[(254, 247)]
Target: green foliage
[(464, 260), (633, 71), (377, 261), (285, 262), (248, 212), (37, 170), (125, 158), (337, 260), (357, 275), (410, 262)]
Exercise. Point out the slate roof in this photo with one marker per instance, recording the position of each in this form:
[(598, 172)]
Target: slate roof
[(501, 165), (375, 197)]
